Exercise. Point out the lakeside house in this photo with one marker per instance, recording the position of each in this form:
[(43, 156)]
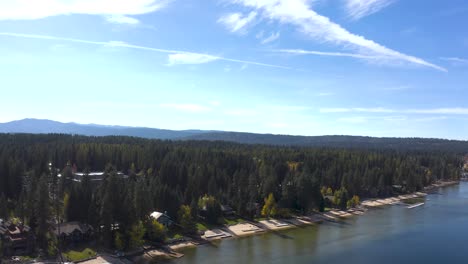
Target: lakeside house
[(18, 239), (227, 211), (73, 232), (95, 176), (464, 176), (162, 218)]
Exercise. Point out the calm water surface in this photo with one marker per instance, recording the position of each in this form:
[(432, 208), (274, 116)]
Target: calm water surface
[(434, 233)]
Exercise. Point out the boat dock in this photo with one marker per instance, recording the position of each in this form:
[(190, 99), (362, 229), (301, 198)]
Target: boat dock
[(415, 205)]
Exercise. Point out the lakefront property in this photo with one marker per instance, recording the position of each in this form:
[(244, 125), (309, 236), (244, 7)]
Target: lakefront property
[(157, 198)]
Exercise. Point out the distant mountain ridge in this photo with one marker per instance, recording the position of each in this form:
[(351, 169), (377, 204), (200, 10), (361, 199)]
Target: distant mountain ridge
[(42, 126)]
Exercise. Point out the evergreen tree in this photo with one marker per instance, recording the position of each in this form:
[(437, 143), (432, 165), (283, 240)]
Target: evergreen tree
[(136, 235), (3, 207), (186, 220), (42, 212)]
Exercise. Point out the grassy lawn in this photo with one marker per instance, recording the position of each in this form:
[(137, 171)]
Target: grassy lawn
[(201, 226), (233, 221), (78, 256), (174, 235)]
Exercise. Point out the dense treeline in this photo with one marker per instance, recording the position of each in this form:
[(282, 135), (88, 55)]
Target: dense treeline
[(358, 142), (165, 175)]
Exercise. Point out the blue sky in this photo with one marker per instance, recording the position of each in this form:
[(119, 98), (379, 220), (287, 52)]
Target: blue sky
[(302, 67)]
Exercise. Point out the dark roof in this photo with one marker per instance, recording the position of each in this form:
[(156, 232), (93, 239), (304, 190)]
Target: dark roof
[(226, 208), (9, 228), (70, 227), (2, 230)]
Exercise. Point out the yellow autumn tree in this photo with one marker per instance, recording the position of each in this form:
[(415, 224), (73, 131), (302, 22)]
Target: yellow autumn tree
[(269, 209)]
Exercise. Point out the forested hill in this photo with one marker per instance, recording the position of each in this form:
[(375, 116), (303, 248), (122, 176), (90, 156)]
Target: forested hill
[(421, 144), (36, 126)]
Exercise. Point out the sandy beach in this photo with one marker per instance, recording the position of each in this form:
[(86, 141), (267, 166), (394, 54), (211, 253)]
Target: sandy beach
[(244, 229), (182, 245), (275, 224), (402, 198), (248, 229), (215, 234)]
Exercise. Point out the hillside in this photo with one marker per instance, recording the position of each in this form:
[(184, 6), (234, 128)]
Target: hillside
[(38, 126)]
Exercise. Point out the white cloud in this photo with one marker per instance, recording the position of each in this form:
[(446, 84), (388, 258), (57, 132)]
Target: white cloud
[(34, 9), (357, 9), (190, 58), (321, 28), (398, 88), (193, 108), (456, 61), (354, 119), (277, 125), (394, 119), (242, 112), (236, 22), (453, 111), (227, 68), (121, 19), (215, 103), (444, 111), (271, 38), (325, 94)]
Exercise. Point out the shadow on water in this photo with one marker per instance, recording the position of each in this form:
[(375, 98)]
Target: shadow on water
[(336, 223), (281, 235)]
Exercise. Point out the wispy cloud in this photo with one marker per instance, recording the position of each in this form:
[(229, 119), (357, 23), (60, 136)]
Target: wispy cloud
[(357, 109), (397, 88), (274, 110), (326, 53), (325, 94), (193, 108), (20, 9), (274, 36), (354, 119), (321, 28), (443, 111), (455, 60), (188, 56), (121, 19), (358, 9), (237, 22), (395, 119)]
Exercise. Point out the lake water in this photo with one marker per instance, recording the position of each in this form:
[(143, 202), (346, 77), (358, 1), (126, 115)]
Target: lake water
[(436, 232)]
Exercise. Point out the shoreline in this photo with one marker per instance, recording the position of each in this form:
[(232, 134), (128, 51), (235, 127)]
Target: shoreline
[(250, 228)]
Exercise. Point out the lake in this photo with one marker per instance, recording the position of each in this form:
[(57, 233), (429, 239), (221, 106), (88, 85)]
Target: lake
[(436, 232)]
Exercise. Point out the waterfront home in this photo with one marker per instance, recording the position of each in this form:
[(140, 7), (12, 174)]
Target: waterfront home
[(162, 218), (95, 176), (17, 238), (464, 176), (227, 211), (73, 232)]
